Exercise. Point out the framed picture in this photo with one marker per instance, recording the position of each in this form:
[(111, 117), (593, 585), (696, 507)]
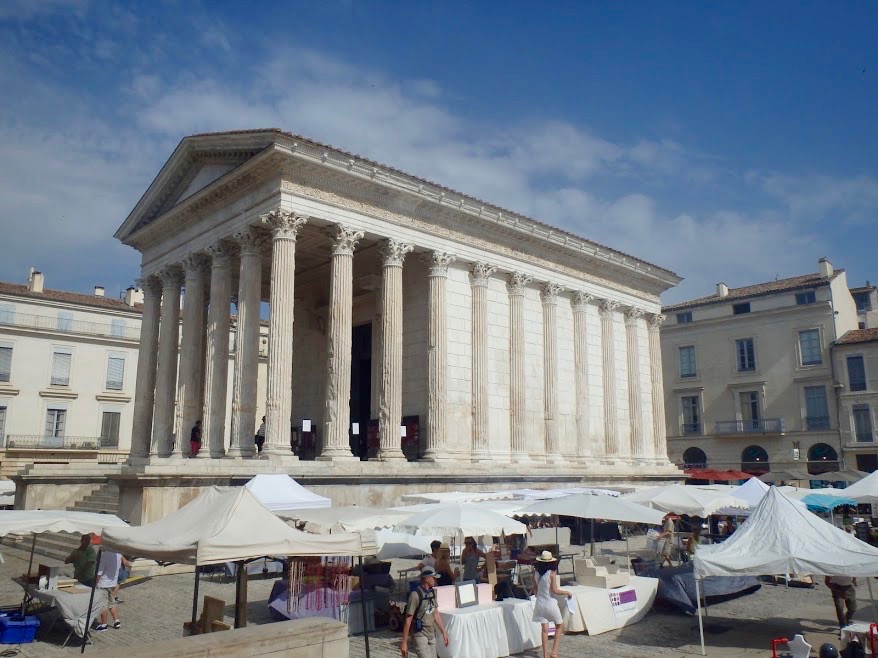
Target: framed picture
[(467, 593)]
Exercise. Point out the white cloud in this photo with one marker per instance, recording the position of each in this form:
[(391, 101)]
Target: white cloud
[(821, 198)]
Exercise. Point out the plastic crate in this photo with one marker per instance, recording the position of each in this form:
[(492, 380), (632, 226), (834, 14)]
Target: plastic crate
[(15, 630)]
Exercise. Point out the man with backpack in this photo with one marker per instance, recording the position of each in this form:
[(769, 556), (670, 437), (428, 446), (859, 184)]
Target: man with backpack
[(421, 613)]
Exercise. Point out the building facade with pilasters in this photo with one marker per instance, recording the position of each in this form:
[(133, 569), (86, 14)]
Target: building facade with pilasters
[(407, 322)]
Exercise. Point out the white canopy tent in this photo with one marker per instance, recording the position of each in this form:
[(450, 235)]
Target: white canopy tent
[(38, 521), (451, 497), (587, 506), (282, 493), (864, 491), (782, 537), (460, 520), (684, 499), (346, 519)]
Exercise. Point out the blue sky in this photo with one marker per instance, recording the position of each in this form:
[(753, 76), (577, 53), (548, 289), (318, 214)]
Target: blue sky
[(728, 142)]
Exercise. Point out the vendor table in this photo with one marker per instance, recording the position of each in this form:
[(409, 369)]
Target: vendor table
[(478, 631), (597, 612), (71, 604), (861, 630), (522, 633)]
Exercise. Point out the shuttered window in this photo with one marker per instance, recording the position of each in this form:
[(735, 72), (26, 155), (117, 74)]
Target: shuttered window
[(65, 321), (55, 421), (3, 426), (5, 364), (117, 328), (61, 360), (7, 314), (110, 429), (115, 372)]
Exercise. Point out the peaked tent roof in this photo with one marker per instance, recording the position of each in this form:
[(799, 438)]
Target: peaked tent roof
[(685, 499), (42, 520), (281, 493), (222, 526), (864, 491), (781, 537)]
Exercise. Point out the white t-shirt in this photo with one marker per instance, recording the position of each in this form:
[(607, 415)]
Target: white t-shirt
[(429, 561), (108, 569)]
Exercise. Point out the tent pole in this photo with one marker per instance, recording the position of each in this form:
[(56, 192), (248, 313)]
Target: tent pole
[(91, 600), (363, 606), (871, 597), (195, 599), (592, 537), (238, 579), (30, 564), (700, 622), (627, 549)]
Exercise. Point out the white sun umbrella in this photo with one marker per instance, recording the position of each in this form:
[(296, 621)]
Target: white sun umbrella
[(346, 519), (682, 499), (460, 520)]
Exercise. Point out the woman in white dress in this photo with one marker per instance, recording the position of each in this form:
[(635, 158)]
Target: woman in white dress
[(546, 609)]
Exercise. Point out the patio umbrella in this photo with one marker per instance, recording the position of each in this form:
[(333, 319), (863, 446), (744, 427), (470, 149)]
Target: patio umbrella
[(825, 503), (345, 519), (682, 499), (460, 520)]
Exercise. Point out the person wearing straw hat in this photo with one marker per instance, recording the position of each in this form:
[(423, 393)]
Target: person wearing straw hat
[(546, 609)]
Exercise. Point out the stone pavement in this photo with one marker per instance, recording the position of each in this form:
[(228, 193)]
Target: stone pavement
[(155, 610)]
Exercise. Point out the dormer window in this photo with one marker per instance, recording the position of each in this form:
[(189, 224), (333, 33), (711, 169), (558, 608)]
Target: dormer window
[(743, 307)]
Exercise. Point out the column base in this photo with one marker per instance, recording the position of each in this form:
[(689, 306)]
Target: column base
[(205, 453), (435, 456), (337, 455), (556, 459), (481, 456), (520, 458), (238, 453), (383, 456), (280, 457), (218, 454)]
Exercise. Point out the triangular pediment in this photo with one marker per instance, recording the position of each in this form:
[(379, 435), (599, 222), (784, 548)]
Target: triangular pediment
[(197, 162)]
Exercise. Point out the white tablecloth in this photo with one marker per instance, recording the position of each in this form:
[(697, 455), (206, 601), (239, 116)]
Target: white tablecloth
[(522, 633), (72, 605), (595, 612), (475, 632), (861, 630)]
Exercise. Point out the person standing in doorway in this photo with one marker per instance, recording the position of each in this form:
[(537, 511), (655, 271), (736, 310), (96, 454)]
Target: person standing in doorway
[(195, 439), (844, 595), (259, 439)]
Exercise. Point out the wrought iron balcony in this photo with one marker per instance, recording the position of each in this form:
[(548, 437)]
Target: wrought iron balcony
[(39, 442), (757, 426)]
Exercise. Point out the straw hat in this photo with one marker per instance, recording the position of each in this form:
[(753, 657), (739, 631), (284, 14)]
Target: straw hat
[(546, 556)]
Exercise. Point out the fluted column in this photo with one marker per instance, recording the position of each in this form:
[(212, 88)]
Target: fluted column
[(166, 377), (549, 296), (481, 273), (611, 434), (337, 417), (246, 344), (191, 364), (437, 368), (284, 227), (517, 370), (390, 408), (635, 417), (659, 429), (144, 397), (580, 365), (216, 362)]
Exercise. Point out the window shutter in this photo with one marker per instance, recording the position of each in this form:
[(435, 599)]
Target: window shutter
[(61, 368), (65, 321), (115, 373), (110, 428), (5, 364), (3, 425), (7, 314), (117, 328)]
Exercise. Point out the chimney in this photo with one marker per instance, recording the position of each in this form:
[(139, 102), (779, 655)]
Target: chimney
[(133, 296), (722, 290), (99, 291), (35, 281), (825, 268)]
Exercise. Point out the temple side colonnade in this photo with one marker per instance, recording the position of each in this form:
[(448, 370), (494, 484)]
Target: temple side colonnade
[(198, 390)]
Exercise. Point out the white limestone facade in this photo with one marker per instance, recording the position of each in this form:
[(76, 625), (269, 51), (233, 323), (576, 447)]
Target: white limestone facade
[(449, 331)]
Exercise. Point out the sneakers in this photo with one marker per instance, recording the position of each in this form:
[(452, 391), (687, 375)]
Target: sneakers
[(117, 624), (101, 627)]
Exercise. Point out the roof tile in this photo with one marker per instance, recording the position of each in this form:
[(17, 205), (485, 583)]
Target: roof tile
[(68, 297), (858, 336)]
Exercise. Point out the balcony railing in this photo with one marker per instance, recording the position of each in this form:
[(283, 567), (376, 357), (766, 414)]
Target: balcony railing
[(69, 326), (758, 426), (39, 442), (814, 423)]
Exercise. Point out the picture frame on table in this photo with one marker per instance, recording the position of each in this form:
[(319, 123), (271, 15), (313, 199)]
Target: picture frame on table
[(466, 593)]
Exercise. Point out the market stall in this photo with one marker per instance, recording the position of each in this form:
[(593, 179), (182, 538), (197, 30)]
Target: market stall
[(281, 493), (599, 609)]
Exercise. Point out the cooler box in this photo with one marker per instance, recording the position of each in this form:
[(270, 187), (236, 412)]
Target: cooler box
[(15, 630)]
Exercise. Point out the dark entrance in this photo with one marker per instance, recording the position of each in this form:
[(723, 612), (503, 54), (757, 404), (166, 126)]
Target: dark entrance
[(361, 387)]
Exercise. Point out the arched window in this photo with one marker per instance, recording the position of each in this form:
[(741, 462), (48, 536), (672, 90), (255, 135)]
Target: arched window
[(694, 458), (754, 460), (822, 458)]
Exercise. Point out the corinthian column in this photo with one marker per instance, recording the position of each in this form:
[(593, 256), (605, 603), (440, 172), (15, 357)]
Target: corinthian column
[(390, 406), (437, 369), (337, 419), (549, 296), (144, 397), (611, 434), (635, 418), (246, 344), (517, 371), (166, 378), (189, 388), (284, 228), (660, 446), (580, 366), (481, 272), (216, 362)]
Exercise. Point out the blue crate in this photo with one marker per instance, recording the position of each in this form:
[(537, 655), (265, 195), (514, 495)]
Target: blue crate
[(15, 630)]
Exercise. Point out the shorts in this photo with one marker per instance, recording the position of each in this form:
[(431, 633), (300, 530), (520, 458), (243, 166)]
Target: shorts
[(104, 596), (424, 645)]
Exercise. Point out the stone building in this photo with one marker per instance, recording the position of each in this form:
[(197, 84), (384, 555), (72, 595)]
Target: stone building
[(749, 377), (855, 359), (407, 323)]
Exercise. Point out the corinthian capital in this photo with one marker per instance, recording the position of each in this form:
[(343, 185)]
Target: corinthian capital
[(481, 273), (344, 239), (518, 282), (438, 262), (284, 225), (220, 253), (656, 320), (195, 265), (633, 314), (608, 307), (581, 300), (171, 276), (251, 241), (151, 285), (549, 293), (393, 253)]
